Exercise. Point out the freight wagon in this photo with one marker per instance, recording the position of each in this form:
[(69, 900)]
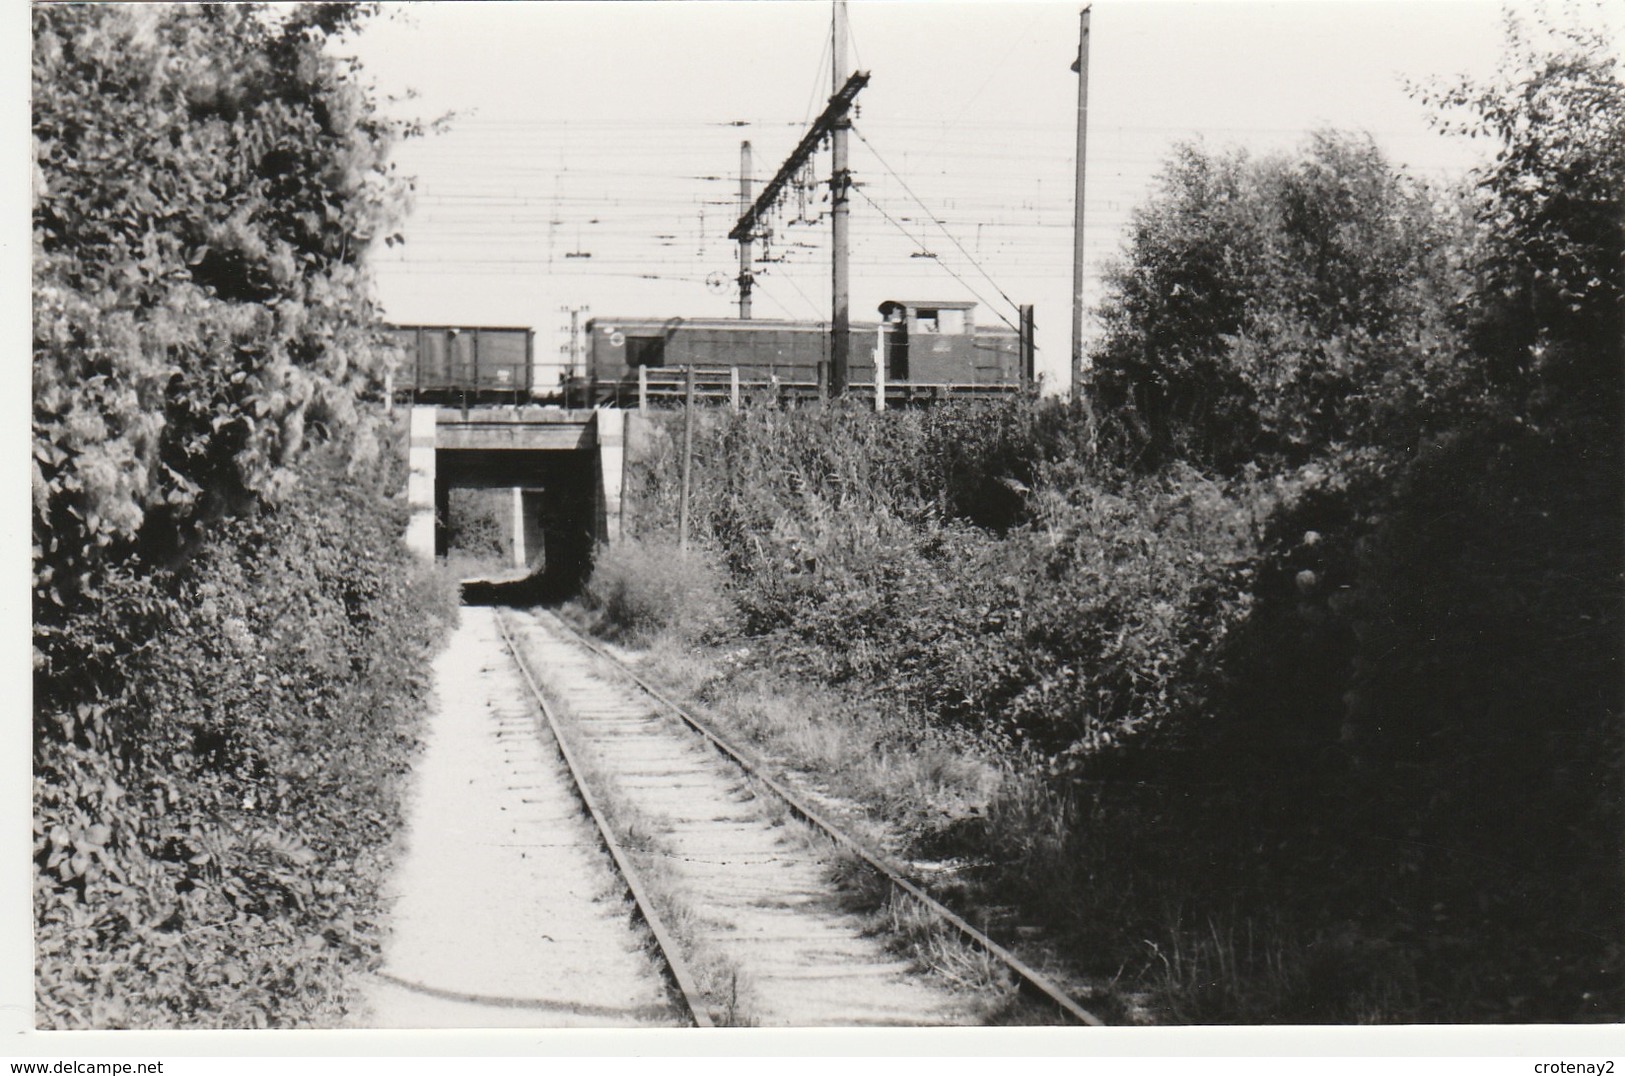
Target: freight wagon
[(925, 349), (458, 364)]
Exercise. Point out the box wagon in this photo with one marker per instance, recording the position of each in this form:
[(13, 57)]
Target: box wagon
[(450, 363)]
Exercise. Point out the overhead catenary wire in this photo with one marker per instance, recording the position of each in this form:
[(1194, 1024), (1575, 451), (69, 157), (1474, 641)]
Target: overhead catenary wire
[(790, 280), (813, 95), (947, 268), (951, 238)]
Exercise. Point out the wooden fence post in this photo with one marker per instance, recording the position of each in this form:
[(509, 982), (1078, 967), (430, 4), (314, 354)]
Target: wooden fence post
[(688, 457), (880, 367)]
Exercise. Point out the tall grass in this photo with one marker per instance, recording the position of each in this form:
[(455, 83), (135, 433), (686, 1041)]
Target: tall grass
[(641, 591)]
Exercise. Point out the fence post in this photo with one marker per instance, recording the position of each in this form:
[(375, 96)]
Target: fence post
[(643, 390), (880, 367), (733, 388), (688, 457)]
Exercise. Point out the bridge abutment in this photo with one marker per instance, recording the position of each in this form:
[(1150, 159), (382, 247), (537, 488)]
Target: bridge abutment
[(420, 483), (611, 426)]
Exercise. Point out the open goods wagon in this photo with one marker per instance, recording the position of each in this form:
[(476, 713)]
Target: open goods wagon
[(459, 364), (924, 349)]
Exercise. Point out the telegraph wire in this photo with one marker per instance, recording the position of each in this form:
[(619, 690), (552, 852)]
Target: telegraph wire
[(791, 280), (852, 39), (818, 74), (993, 72), (946, 267), (938, 223)]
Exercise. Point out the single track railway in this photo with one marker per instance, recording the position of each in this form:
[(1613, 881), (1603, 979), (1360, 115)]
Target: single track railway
[(625, 724), (682, 979)]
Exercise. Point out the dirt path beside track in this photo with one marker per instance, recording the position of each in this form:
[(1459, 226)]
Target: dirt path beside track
[(507, 912)]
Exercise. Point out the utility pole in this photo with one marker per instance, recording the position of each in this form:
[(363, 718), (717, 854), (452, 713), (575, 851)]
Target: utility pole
[(572, 349), (745, 239), (831, 122), (688, 457), (840, 176), (1025, 359), (1081, 66)]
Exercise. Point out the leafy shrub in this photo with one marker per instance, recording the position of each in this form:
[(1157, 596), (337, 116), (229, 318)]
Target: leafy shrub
[(1273, 310), (208, 180), (218, 758), (479, 524), (230, 641), (646, 590), (971, 559), (1548, 300)]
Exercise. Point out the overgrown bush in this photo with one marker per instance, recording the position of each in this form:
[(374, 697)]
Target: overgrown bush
[(1269, 310), (903, 549), (1300, 650), (230, 642), (479, 524), (642, 591), (218, 756)]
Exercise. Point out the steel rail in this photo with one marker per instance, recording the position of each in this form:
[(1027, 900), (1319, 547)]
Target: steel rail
[(1029, 978), (680, 975)]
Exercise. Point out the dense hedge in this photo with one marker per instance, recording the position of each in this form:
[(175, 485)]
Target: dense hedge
[(208, 181), (218, 754), (230, 642)]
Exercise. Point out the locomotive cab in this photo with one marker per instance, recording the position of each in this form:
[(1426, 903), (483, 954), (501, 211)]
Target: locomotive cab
[(931, 341)]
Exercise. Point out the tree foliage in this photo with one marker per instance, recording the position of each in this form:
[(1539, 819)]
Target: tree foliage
[(207, 181), (213, 815), (1549, 299), (1269, 309), (231, 639)]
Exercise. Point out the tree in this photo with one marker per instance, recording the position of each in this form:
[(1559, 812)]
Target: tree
[(1549, 299), (1275, 309), (207, 182)]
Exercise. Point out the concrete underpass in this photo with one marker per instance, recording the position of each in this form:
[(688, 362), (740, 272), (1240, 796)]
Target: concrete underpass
[(564, 467)]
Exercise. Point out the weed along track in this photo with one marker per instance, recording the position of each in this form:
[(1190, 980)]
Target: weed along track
[(737, 869)]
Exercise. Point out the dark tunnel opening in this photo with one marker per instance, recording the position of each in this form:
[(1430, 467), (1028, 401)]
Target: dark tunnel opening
[(558, 521)]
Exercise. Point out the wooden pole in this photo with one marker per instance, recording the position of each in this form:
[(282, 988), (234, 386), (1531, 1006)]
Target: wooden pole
[(643, 390), (688, 457), (1082, 68), (1028, 353), (745, 239), (733, 389), (840, 329)]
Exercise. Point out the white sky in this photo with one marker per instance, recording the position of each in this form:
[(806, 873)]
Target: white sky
[(591, 128)]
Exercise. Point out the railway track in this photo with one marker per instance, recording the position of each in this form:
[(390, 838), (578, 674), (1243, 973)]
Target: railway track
[(676, 965), (753, 933)]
